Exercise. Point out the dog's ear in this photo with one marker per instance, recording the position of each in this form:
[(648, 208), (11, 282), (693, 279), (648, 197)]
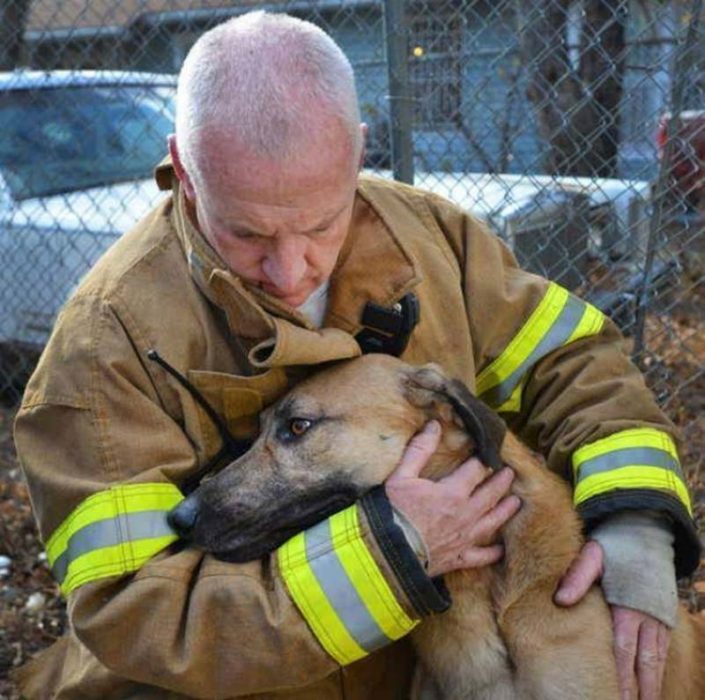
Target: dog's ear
[(427, 387)]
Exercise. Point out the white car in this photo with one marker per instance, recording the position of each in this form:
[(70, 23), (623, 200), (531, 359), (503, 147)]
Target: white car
[(77, 152)]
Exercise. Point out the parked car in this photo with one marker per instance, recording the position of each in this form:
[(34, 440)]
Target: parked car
[(686, 164), (555, 225), (77, 152)]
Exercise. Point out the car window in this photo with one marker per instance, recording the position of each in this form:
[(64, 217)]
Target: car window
[(65, 139)]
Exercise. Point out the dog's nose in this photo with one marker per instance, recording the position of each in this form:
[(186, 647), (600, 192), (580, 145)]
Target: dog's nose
[(183, 518)]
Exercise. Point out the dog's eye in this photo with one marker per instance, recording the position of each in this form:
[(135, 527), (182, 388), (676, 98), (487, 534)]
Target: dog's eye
[(298, 426), (293, 429)]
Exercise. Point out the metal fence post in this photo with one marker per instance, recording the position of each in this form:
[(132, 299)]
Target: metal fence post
[(400, 99)]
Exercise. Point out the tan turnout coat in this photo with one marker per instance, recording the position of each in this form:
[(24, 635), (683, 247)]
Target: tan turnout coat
[(98, 412)]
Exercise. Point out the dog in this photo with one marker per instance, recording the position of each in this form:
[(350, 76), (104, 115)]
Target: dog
[(341, 432)]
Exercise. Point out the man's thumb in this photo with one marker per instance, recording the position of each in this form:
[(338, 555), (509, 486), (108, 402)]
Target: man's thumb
[(583, 572), (417, 452)]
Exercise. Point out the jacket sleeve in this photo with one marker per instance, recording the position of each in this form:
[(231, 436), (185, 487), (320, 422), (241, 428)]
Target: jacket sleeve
[(556, 369), (103, 459)]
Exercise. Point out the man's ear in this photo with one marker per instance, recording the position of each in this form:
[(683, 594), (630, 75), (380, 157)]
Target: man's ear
[(179, 169), (427, 387)]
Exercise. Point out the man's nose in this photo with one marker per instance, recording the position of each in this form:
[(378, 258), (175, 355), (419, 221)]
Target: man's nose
[(183, 518), (285, 264)]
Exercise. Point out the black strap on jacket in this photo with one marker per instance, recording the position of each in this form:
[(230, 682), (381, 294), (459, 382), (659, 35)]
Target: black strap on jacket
[(387, 329), (230, 449)]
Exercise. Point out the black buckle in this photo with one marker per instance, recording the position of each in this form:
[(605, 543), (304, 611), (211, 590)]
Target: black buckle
[(388, 329)]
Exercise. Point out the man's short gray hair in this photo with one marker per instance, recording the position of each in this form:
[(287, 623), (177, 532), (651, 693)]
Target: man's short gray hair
[(267, 79)]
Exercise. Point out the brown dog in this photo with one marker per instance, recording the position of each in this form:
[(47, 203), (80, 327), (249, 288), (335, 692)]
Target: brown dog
[(341, 432)]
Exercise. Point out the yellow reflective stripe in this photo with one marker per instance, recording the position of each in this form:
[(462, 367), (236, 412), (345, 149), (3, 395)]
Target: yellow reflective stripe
[(366, 576), (340, 591), (112, 532), (590, 324), (127, 498), (624, 439), (311, 601), (633, 458), (513, 403), (636, 477), (528, 337), (112, 561), (559, 319)]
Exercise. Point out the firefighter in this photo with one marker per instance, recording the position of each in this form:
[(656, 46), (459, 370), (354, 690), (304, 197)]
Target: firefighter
[(269, 256)]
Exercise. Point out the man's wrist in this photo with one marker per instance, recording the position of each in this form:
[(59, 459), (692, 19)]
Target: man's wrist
[(413, 537), (427, 595), (639, 570)]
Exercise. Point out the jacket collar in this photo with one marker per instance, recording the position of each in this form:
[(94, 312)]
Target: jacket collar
[(373, 265)]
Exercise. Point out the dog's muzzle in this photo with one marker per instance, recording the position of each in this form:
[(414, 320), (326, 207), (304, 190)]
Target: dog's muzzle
[(183, 518)]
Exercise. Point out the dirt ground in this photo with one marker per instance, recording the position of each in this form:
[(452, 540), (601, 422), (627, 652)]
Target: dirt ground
[(32, 614)]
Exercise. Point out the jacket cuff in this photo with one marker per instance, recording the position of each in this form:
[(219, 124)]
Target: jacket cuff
[(427, 595), (687, 542), (340, 588)]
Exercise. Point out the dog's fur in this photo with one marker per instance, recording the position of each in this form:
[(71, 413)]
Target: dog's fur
[(503, 637)]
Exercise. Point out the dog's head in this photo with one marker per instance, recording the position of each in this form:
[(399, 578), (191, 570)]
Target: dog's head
[(328, 441)]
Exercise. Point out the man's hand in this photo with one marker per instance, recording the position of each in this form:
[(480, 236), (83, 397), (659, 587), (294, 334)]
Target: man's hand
[(640, 641), (459, 516)]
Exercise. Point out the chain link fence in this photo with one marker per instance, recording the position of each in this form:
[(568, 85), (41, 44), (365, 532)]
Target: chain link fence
[(575, 129)]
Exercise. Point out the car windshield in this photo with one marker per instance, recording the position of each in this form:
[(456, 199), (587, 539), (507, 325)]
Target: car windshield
[(70, 138)]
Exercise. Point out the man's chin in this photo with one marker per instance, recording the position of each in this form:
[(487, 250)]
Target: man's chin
[(292, 300)]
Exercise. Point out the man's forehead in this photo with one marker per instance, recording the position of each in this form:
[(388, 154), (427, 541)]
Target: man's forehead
[(283, 197), (320, 146), (306, 214)]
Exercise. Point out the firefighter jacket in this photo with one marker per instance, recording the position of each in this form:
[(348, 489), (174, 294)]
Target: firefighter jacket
[(106, 437)]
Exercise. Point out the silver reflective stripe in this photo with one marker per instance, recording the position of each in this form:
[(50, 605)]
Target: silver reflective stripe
[(627, 457), (144, 525), (339, 590), (556, 336)]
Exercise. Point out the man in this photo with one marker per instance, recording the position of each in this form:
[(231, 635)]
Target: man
[(260, 266)]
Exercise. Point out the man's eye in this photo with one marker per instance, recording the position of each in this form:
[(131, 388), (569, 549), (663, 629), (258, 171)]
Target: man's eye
[(298, 426)]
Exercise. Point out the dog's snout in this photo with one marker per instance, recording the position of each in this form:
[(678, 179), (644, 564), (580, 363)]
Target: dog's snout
[(183, 518)]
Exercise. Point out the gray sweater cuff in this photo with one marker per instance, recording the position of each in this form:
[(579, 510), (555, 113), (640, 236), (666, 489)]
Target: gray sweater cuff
[(639, 569)]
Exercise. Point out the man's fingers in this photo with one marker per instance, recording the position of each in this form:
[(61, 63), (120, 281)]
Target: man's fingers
[(640, 649), (418, 452), (492, 490), (626, 624), (664, 642), (480, 556), (490, 523), (647, 662), (651, 658), (583, 572), (466, 477)]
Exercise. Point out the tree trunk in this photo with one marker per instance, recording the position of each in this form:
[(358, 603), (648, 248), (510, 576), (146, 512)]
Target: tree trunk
[(602, 71), (13, 17), (577, 106)]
